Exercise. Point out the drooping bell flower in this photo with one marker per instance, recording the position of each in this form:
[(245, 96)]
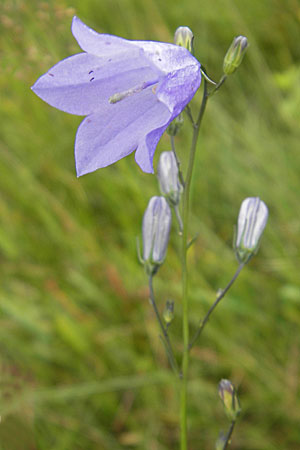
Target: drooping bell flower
[(130, 92)]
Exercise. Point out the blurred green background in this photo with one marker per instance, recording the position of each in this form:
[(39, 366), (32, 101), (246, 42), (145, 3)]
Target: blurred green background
[(82, 366)]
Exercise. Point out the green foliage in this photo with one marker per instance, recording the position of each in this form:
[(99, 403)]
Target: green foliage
[(80, 354)]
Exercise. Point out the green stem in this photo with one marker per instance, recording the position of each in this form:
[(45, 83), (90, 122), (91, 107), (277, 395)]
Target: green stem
[(189, 114), (218, 85), (177, 160), (204, 74), (185, 322), (178, 217), (228, 436), (165, 337), (214, 305)]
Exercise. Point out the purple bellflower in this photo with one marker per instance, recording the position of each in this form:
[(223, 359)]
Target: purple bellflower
[(130, 92)]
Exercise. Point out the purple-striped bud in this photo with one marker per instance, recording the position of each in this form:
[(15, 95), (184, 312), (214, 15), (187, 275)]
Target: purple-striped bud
[(252, 220), (167, 172), (235, 54), (229, 399), (156, 230), (184, 38)]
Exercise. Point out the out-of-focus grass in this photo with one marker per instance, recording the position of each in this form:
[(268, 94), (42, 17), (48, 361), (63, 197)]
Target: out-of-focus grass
[(81, 363)]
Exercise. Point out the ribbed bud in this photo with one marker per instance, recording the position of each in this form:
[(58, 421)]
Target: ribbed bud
[(184, 38), (168, 313), (156, 230), (252, 220), (235, 54), (167, 172), (230, 399)]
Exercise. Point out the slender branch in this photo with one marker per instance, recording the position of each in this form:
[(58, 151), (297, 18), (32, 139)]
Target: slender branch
[(189, 114), (165, 337), (185, 303), (191, 242), (217, 301), (207, 77), (228, 436), (218, 85), (177, 160), (178, 217)]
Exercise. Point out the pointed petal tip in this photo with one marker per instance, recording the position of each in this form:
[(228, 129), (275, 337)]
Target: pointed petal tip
[(76, 25), (80, 170), (75, 20)]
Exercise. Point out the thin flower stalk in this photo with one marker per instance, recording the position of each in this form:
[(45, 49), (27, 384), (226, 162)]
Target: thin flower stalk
[(215, 304), (165, 336)]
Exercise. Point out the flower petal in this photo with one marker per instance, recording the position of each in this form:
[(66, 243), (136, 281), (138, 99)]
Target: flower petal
[(167, 57), (83, 83), (146, 149), (179, 87), (98, 44), (118, 129)]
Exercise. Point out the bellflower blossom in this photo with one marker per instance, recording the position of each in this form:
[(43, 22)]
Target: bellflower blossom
[(130, 92)]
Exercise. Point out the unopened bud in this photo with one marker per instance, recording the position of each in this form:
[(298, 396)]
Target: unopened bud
[(167, 172), (175, 125), (184, 38), (156, 230), (235, 54), (230, 399), (168, 313), (252, 220)]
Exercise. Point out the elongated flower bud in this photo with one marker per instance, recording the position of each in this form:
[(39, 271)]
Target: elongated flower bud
[(184, 38), (167, 172), (252, 220), (235, 54), (156, 230), (230, 399)]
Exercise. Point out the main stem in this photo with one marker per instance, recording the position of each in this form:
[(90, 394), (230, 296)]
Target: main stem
[(185, 319)]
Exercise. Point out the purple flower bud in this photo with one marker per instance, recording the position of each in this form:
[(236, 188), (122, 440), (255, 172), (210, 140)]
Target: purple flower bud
[(252, 220), (184, 38), (229, 399), (235, 54), (156, 230), (169, 183)]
